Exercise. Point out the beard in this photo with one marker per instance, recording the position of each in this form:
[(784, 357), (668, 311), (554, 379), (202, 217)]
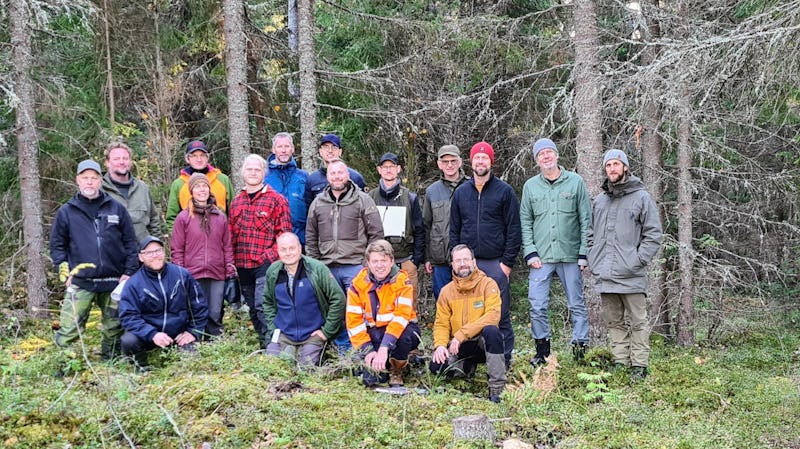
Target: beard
[(481, 171), (464, 272)]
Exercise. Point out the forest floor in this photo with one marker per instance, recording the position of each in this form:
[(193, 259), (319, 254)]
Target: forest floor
[(741, 390)]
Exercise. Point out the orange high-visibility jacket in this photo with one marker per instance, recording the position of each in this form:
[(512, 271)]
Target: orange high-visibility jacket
[(395, 311)]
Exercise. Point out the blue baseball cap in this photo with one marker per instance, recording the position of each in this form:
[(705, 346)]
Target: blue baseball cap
[(332, 138)]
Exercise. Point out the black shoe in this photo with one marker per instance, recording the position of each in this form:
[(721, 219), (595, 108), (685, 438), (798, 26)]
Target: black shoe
[(638, 373), (542, 352), (579, 351), (494, 398)]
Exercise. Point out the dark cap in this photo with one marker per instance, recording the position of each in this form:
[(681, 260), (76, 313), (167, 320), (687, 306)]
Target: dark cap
[(448, 150), (332, 138), (391, 157), (196, 145), (89, 164), (148, 240)]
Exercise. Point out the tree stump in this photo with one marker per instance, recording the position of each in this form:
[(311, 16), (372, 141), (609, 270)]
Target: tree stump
[(473, 427)]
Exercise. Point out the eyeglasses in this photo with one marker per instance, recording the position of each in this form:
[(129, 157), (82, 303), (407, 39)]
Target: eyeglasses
[(198, 156), (152, 252), (461, 261), (386, 167), (450, 162)]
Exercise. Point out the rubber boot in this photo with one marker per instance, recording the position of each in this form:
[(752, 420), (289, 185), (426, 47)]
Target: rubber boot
[(396, 368), (496, 372), (579, 351), (542, 352)]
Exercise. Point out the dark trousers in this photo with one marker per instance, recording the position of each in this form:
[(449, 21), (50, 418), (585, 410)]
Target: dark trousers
[(492, 269), (474, 350), (252, 282), (408, 340), (133, 345)]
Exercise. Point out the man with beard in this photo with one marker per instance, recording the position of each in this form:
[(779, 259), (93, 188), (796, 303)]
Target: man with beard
[(179, 195), (132, 193), (289, 180), (625, 236), (258, 215), (407, 235), (436, 216), (465, 332), (330, 149), (342, 221), (161, 305), (485, 216), (93, 245), (555, 213)]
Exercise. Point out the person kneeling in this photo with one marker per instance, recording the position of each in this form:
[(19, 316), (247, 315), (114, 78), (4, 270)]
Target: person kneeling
[(161, 305), (303, 304), (380, 317), (466, 331)]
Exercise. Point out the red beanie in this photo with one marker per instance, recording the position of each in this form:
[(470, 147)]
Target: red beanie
[(482, 147)]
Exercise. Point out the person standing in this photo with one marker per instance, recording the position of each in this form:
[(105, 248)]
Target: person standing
[(555, 213), (436, 216), (197, 160), (330, 149), (201, 243), (132, 193), (380, 318), (93, 246), (624, 237), (258, 215), (303, 304), (485, 216), (406, 233), (289, 180), (342, 221), (465, 332), (161, 305)]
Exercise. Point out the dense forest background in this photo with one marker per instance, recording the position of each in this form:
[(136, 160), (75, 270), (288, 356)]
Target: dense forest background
[(704, 95)]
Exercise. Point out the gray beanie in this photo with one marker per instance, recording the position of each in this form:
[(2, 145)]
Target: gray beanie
[(541, 144), (615, 154)]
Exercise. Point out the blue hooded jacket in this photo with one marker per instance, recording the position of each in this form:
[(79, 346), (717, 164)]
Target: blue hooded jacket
[(290, 181)]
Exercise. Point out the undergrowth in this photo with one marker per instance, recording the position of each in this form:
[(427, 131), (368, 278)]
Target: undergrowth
[(741, 391)]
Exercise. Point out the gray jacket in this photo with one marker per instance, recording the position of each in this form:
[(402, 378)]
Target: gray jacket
[(140, 206), (436, 216), (624, 236)]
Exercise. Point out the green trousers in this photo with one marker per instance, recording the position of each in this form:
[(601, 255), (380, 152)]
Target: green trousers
[(75, 313)]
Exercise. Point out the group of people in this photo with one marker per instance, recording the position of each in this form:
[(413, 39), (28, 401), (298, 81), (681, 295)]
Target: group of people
[(317, 259)]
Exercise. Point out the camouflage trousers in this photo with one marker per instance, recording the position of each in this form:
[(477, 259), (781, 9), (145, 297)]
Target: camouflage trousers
[(75, 313)]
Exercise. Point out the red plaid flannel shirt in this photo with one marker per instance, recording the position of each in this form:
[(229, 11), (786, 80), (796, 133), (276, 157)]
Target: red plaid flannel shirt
[(255, 223)]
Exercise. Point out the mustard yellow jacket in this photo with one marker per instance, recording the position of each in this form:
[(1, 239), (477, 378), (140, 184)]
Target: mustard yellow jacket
[(465, 307)]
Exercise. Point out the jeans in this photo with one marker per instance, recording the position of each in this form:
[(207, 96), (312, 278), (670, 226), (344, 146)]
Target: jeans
[(442, 275), (344, 275), (492, 269), (252, 282), (539, 281)]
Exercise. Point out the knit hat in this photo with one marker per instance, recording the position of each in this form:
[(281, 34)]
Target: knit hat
[(482, 147), (198, 178), (615, 154), (542, 144), (448, 150), (89, 164), (332, 138), (195, 145)]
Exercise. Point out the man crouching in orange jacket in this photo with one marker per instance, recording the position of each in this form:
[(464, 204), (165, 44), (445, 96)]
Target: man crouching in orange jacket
[(380, 319)]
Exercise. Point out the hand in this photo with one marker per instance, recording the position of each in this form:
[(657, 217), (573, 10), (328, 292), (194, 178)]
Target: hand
[(319, 334), (162, 340), (63, 273), (184, 338), (124, 278), (582, 263), (428, 268), (506, 269), (440, 355), (535, 262), (232, 290), (454, 346), (376, 360)]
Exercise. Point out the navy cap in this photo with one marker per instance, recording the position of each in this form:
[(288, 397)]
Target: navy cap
[(332, 138), (196, 145), (391, 157), (89, 164), (148, 240)]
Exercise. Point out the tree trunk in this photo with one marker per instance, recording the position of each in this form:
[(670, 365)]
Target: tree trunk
[(109, 73), (236, 71), (589, 143), (27, 145), (685, 250), (308, 83), (291, 21)]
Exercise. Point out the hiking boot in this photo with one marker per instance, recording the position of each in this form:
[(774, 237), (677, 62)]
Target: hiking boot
[(542, 352), (494, 394), (396, 368), (579, 351), (638, 373), (110, 349), (370, 379)]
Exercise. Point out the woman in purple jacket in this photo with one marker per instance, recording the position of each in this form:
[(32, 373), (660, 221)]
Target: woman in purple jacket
[(201, 243)]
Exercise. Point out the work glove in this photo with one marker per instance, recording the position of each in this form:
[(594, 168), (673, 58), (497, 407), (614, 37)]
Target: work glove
[(232, 290), (63, 271)]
